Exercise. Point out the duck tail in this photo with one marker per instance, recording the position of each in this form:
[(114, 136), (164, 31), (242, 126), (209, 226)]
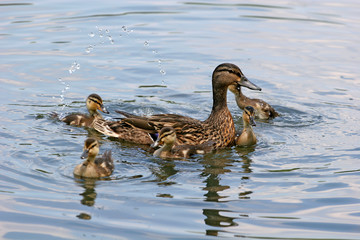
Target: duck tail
[(101, 126)]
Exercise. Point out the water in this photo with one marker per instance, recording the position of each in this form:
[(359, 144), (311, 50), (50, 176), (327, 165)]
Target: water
[(301, 181)]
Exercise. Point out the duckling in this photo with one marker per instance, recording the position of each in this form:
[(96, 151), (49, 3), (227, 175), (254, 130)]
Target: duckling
[(218, 127), (247, 136), (93, 103), (94, 167), (167, 138), (263, 110)]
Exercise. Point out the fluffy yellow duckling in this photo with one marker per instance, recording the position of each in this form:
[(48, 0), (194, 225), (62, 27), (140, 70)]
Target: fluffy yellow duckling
[(247, 136), (93, 104), (167, 138), (263, 110), (94, 167)]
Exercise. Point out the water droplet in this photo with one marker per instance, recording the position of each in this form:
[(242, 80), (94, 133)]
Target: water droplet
[(89, 49), (154, 52), (112, 41), (162, 71), (75, 66), (101, 35), (62, 94), (107, 30), (146, 43), (91, 34), (124, 28)]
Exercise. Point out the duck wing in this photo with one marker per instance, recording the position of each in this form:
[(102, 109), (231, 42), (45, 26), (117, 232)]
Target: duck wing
[(105, 164)]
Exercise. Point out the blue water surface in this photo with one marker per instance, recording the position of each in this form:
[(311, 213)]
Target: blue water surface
[(301, 180)]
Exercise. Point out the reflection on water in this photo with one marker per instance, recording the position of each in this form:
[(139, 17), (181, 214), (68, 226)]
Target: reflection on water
[(89, 194), (151, 57)]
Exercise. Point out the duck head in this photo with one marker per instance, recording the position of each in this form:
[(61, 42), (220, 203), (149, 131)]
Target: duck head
[(94, 103), (248, 115), (167, 136), (228, 74), (91, 149)]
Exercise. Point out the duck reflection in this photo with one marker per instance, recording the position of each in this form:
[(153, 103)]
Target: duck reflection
[(163, 170), (213, 170), (244, 152), (214, 218), (89, 194)]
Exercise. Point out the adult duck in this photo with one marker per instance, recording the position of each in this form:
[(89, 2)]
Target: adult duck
[(218, 127)]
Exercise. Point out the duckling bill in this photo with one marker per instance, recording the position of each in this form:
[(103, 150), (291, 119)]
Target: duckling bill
[(93, 166), (93, 104), (167, 138), (247, 136)]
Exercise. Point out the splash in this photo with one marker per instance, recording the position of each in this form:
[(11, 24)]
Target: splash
[(75, 66), (62, 94), (104, 35)]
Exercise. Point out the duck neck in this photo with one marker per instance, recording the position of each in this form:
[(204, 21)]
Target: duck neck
[(164, 150), (90, 159), (247, 125), (95, 113), (219, 102)]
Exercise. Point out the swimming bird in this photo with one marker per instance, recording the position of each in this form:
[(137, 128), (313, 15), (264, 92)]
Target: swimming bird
[(167, 138), (218, 127), (263, 110), (247, 136), (93, 104), (94, 167)]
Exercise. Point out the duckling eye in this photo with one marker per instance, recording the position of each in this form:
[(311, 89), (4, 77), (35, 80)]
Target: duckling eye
[(92, 146), (95, 101)]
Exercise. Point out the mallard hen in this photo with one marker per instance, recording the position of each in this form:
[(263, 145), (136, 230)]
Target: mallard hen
[(218, 127)]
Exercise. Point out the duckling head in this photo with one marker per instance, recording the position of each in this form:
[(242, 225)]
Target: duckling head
[(248, 115), (91, 149), (94, 103), (227, 74), (167, 136)]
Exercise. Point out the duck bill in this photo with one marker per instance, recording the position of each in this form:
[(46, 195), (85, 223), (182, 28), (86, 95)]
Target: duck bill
[(103, 109), (244, 82), (252, 121), (85, 154)]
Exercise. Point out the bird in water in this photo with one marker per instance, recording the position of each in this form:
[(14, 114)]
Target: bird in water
[(168, 149), (93, 104), (218, 127), (93, 166), (247, 136), (263, 110)]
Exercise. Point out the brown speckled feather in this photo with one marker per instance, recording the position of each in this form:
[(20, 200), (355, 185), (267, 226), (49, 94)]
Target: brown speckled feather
[(219, 127)]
